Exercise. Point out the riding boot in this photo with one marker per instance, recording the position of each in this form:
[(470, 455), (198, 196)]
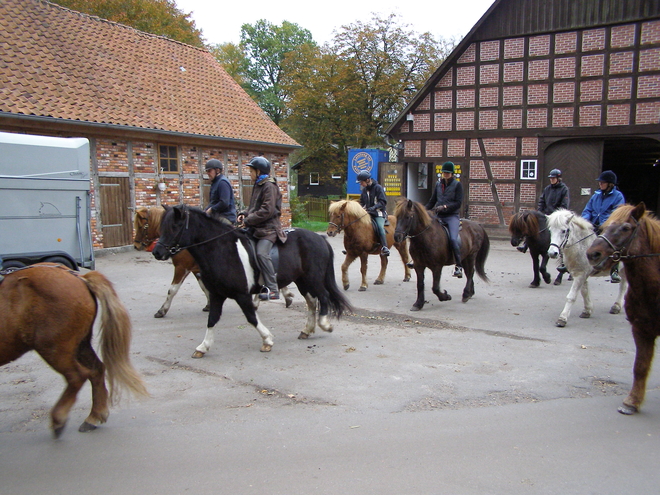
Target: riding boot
[(615, 278), (458, 269), (384, 251), (270, 290), (523, 247)]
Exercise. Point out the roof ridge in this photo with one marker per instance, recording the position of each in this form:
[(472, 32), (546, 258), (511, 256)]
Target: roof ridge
[(119, 24)]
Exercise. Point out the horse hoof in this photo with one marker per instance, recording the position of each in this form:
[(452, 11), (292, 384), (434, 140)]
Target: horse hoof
[(266, 348), (85, 427), (584, 314), (534, 286), (159, 314), (57, 432), (379, 282), (546, 278), (407, 279), (560, 323), (198, 355), (627, 410), (415, 308), (346, 286), (288, 301), (303, 336), (466, 299), (362, 289), (615, 310), (557, 282), (443, 296), (207, 308)]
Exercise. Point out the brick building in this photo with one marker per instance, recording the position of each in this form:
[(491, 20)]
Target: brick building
[(154, 110), (537, 85)]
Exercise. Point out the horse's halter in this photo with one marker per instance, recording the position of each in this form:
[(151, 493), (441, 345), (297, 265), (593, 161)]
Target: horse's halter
[(175, 248), (342, 226), (564, 243), (145, 230)]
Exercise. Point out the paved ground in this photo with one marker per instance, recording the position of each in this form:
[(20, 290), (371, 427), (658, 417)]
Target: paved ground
[(483, 397)]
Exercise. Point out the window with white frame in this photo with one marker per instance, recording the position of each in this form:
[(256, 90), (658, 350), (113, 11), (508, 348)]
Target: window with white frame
[(313, 178), (528, 169)]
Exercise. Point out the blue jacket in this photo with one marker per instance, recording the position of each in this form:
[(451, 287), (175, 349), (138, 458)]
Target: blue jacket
[(221, 198), (601, 205)]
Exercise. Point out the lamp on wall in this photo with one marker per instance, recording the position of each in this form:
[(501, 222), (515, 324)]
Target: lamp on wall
[(162, 186)]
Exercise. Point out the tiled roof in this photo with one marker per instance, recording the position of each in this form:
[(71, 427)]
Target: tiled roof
[(58, 63)]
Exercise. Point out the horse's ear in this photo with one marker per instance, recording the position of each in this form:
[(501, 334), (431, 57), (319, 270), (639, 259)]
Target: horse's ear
[(410, 203), (639, 211)]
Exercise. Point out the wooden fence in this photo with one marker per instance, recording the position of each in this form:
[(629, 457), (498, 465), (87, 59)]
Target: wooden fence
[(317, 209)]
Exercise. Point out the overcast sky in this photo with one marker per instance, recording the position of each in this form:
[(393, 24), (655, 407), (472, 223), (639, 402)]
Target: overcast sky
[(221, 21)]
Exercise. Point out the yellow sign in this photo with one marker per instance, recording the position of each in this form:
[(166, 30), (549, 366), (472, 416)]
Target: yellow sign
[(392, 185)]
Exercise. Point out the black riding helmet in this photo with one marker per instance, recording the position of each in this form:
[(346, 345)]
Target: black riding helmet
[(364, 175), (261, 164), (213, 163)]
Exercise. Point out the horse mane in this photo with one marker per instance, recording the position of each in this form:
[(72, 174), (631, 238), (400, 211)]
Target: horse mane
[(648, 220), (525, 223), (560, 218), (352, 209), (419, 211)]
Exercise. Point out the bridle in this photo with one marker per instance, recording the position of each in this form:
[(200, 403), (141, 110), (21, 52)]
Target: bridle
[(175, 248), (564, 243), (618, 252), (145, 241), (342, 226), (406, 232)]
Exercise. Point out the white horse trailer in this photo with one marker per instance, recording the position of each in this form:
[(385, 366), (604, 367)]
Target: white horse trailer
[(45, 201)]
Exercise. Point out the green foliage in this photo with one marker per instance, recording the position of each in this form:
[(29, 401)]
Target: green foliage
[(310, 225), (161, 17), (298, 210)]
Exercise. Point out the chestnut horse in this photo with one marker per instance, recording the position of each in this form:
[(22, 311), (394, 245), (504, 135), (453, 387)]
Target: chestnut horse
[(429, 248), (51, 309), (632, 235), (532, 227), (360, 240)]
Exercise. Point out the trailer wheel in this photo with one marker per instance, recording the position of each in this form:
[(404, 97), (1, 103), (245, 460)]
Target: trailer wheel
[(61, 260), (12, 264)]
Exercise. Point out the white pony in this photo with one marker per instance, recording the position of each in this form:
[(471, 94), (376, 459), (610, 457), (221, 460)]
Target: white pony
[(572, 235)]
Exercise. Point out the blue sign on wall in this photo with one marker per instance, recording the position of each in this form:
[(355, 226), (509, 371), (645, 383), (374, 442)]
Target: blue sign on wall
[(360, 160)]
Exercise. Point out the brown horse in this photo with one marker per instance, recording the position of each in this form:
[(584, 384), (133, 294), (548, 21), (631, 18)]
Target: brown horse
[(632, 236), (429, 248), (51, 309), (532, 227), (147, 230), (360, 240)]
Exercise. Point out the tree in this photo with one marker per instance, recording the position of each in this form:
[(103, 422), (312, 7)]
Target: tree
[(265, 47), (233, 60), (348, 92), (161, 17)]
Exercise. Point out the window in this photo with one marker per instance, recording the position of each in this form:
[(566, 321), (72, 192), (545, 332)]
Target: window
[(422, 176), (336, 176), (528, 169), (168, 159), (314, 179)]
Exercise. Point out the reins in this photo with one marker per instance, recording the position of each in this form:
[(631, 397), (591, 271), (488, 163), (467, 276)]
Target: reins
[(342, 226), (617, 254), (564, 244)]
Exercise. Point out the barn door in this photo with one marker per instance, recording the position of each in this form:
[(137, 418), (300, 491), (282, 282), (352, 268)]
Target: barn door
[(580, 162), (115, 198)]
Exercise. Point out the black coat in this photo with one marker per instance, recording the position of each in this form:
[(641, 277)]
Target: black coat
[(450, 194), (373, 199)]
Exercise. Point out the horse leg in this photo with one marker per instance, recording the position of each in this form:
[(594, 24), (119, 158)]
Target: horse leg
[(311, 316), (364, 262), (100, 410), (537, 276), (288, 295), (437, 276), (402, 247), (570, 299), (543, 268), (623, 288), (350, 258), (214, 316), (419, 303), (383, 269), (245, 302), (558, 279), (588, 305), (644, 349), (198, 276), (468, 290), (180, 275)]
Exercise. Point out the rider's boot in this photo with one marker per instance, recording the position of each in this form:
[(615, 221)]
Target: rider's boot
[(458, 269), (384, 251), (615, 278)]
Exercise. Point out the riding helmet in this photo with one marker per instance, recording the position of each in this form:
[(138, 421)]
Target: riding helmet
[(448, 167), (555, 172), (213, 163), (607, 176), (364, 175), (261, 164)]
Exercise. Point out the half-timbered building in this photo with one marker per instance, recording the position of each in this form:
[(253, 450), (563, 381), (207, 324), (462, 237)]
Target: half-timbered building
[(537, 85)]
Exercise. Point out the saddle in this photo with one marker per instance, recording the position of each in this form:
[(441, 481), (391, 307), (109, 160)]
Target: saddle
[(274, 251)]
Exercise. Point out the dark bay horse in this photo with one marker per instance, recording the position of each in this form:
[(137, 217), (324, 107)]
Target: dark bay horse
[(51, 309), (632, 235), (531, 226), (147, 231), (229, 269), (429, 248), (360, 240)]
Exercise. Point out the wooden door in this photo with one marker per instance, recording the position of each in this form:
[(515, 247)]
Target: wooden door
[(391, 176), (116, 214), (580, 162)]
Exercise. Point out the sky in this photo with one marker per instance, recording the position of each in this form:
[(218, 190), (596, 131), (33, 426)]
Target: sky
[(221, 21)]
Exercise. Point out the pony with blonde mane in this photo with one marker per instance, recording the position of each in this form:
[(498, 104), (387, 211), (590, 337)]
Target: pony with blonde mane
[(572, 235), (631, 235), (360, 240)]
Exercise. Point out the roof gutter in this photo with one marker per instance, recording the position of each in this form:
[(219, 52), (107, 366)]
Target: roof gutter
[(127, 128)]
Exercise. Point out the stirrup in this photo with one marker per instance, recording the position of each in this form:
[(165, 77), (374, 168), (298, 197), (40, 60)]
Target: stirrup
[(267, 294), (384, 251), (458, 272), (562, 269)]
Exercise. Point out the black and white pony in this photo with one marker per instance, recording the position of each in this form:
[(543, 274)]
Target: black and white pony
[(572, 235), (229, 269)]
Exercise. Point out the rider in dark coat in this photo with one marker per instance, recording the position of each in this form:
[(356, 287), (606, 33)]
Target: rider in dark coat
[(373, 200), (446, 203), (555, 195), (221, 198)]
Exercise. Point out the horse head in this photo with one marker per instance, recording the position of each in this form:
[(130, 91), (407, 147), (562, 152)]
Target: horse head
[(336, 222), (523, 224), (146, 224), (173, 232), (411, 218), (618, 235)]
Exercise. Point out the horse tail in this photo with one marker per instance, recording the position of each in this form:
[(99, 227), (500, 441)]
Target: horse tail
[(482, 254), (115, 343), (337, 301)]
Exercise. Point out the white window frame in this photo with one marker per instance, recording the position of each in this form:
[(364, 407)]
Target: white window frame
[(311, 181), (529, 169)]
